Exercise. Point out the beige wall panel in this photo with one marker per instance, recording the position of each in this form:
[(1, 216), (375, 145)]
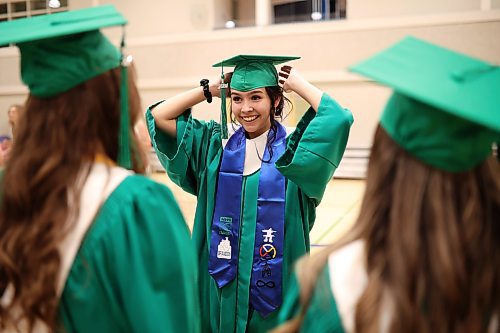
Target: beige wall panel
[(366, 101), (319, 51), (10, 77), (385, 8), (246, 13), (79, 4), (223, 12), (154, 18), (495, 4)]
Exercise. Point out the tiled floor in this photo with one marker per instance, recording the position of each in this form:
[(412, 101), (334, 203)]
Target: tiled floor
[(334, 216)]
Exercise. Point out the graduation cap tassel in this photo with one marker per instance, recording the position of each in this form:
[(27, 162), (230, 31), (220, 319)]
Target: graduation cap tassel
[(124, 158), (223, 113)]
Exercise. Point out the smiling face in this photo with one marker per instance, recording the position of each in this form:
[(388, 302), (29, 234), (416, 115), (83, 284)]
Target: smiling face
[(252, 110)]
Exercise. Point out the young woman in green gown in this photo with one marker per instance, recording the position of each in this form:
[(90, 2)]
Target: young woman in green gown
[(424, 254), (87, 243), (249, 232)]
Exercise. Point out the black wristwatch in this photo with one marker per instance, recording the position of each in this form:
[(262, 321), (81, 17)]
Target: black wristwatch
[(206, 90)]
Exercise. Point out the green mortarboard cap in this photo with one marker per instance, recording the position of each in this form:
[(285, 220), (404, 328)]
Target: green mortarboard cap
[(60, 51), (250, 72), (254, 71), (446, 107)]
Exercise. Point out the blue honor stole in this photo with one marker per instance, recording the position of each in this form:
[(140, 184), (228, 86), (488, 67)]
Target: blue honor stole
[(265, 285)]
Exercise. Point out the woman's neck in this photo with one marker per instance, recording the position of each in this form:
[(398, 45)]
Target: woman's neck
[(261, 137), (259, 132)]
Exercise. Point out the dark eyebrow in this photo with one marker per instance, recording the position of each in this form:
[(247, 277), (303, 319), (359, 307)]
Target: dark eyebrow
[(251, 93), (254, 92)]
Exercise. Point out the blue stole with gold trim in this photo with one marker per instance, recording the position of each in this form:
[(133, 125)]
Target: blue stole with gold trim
[(265, 287)]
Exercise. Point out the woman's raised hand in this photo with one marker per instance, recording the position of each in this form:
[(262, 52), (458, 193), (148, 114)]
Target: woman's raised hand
[(289, 78), (214, 84), (214, 87)]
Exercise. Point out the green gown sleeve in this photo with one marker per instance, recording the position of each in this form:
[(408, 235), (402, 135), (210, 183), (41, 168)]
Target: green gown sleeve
[(321, 315), (185, 156), (315, 148), (134, 271)]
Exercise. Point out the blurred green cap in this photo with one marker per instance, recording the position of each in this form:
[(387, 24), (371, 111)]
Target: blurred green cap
[(446, 106), (59, 51)]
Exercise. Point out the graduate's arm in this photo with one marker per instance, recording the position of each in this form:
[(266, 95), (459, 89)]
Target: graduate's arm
[(166, 113), (315, 148), (291, 80)]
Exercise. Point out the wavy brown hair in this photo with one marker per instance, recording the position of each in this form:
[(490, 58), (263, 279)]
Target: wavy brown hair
[(432, 246), (56, 140)]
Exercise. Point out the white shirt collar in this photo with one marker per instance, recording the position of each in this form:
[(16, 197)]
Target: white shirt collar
[(254, 152)]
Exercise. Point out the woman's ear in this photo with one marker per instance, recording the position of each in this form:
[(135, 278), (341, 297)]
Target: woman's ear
[(277, 102)]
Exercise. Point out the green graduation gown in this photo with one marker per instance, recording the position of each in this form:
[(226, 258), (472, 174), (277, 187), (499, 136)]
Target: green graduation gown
[(335, 296), (192, 161), (322, 314), (134, 269)]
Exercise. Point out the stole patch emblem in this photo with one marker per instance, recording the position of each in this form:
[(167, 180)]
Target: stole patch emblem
[(268, 235), (224, 249), (225, 225), (267, 251)]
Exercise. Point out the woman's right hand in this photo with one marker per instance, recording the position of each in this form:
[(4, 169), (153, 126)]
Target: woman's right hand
[(214, 85)]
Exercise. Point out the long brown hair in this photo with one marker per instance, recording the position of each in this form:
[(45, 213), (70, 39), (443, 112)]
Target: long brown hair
[(432, 246), (57, 139)]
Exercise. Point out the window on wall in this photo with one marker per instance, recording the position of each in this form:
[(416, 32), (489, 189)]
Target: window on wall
[(14, 9), (286, 11), (242, 13)]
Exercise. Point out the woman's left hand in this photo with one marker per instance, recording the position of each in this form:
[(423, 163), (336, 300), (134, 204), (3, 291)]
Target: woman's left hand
[(289, 78)]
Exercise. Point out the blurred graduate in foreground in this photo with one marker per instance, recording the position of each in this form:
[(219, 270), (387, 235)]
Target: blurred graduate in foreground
[(86, 244), (424, 254)]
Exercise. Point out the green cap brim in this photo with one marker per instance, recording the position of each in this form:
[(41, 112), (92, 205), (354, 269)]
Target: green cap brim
[(60, 51), (246, 58), (59, 24), (254, 71)]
